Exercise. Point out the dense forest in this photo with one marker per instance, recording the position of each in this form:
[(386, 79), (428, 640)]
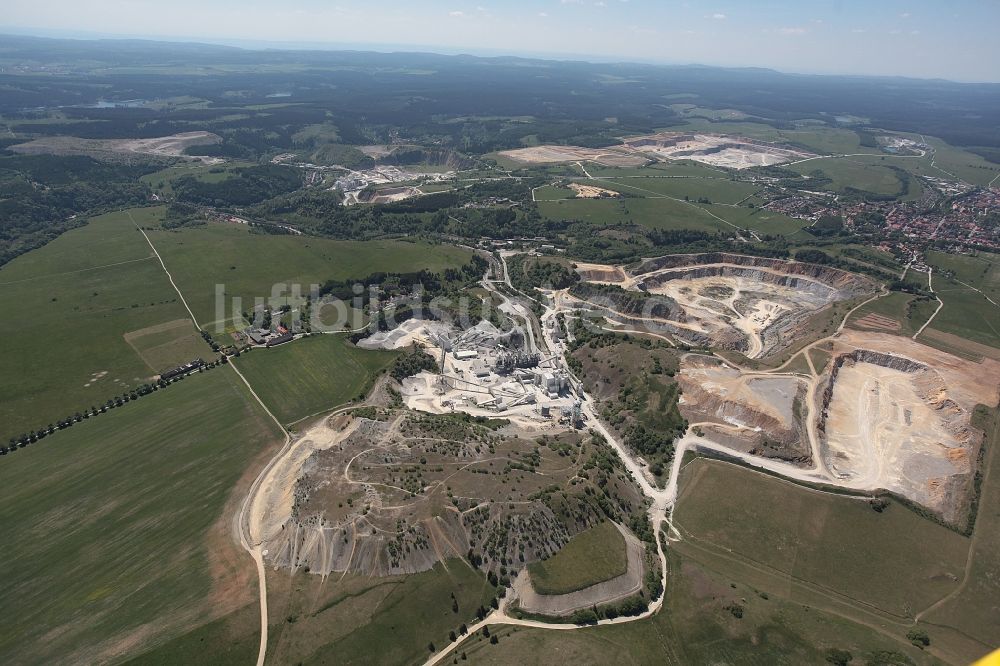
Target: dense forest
[(369, 95), (43, 195)]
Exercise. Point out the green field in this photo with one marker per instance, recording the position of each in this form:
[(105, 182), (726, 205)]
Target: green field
[(716, 189), (249, 265), (982, 270), (684, 169), (967, 166), (115, 532), (696, 626), (592, 556), (908, 310), (653, 213), (312, 374), (967, 312), (761, 220), (821, 540), (76, 299), (973, 609), (849, 172), (553, 193), (658, 203), (352, 620), (383, 621)]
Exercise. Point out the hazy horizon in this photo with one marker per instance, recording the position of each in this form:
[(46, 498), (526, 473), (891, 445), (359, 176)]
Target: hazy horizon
[(912, 39)]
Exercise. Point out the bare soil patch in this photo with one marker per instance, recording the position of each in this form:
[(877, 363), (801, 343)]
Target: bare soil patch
[(592, 192)]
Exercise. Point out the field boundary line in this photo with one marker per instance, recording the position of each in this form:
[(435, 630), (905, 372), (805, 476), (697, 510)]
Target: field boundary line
[(253, 550), (164, 266), (82, 270)]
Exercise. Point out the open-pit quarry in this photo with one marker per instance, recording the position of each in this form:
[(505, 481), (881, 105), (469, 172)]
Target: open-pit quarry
[(895, 414), (886, 413), (492, 456), (872, 412), (715, 150), (752, 305), (756, 413)]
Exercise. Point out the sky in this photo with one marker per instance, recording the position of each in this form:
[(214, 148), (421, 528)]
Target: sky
[(950, 39)]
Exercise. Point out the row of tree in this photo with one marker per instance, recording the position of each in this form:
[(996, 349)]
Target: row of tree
[(34, 436)]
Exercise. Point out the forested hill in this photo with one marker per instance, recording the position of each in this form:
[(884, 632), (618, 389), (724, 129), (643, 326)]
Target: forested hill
[(415, 87)]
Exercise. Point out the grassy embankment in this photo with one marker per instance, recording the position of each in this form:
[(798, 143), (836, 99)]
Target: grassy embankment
[(592, 556)]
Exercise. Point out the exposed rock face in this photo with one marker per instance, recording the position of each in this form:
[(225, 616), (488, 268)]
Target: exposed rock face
[(753, 305), (628, 302), (790, 281), (890, 361), (833, 277)]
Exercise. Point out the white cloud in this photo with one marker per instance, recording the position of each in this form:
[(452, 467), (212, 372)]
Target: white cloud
[(719, 16), (905, 15), (791, 31), (543, 14), (457, 14)]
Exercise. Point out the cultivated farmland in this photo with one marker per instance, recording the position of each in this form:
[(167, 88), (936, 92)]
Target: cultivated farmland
[(313, 374), (87, 304), (116, 532), (248, 265)]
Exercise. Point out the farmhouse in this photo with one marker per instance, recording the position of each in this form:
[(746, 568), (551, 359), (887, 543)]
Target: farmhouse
[(256, 335), (279, 339)]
